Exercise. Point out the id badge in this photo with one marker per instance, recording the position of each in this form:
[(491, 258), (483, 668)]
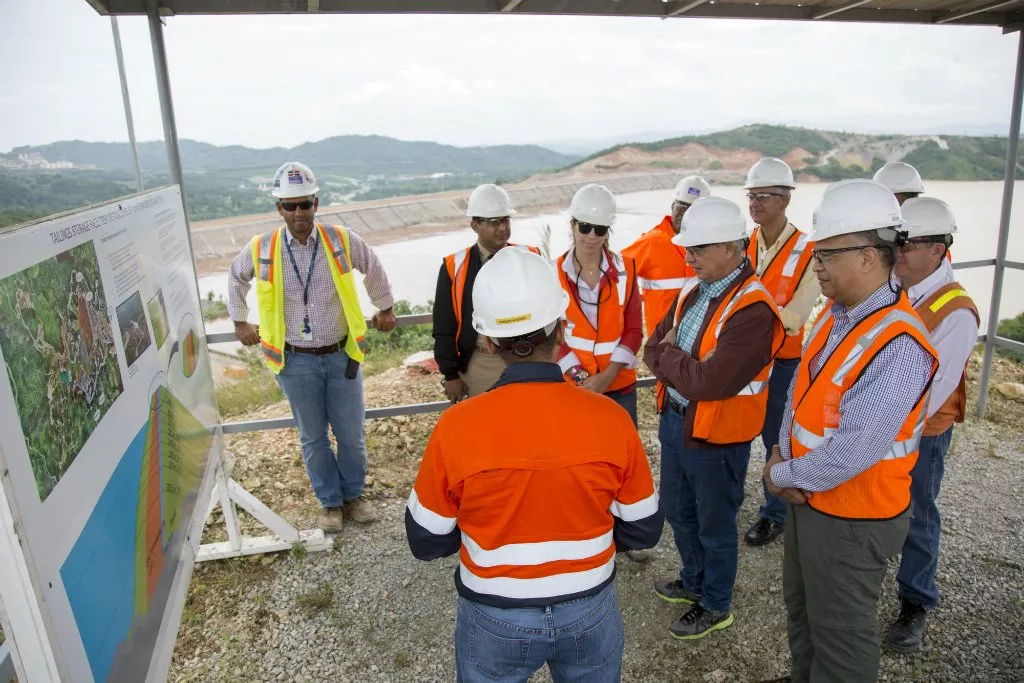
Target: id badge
[(307, 331)]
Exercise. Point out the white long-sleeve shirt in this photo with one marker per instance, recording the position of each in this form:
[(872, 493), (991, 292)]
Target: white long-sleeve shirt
[(954, 338)]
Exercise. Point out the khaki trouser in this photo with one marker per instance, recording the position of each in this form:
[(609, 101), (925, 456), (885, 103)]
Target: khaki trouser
[(831, 577), (483, 372)]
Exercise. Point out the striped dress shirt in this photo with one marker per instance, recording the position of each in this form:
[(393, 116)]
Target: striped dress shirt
[(871, 412)]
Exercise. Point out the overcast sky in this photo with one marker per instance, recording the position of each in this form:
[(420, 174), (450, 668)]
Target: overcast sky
[(266, 81)]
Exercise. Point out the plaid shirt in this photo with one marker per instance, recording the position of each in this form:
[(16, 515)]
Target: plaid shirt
[(870, 413), (326, 316), (690, 325)]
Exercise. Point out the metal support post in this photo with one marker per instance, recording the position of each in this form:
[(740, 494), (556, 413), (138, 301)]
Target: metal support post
[(128, 119), (1004, 226)]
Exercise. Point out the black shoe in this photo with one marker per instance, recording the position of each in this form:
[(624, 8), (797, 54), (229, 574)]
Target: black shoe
[(673, 591), (907, 632), (699, 622), (764, 532)]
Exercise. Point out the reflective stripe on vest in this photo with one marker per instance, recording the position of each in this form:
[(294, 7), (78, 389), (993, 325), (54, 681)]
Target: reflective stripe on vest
[(946, 298), (661, 285), (868, 338), (789, 270), (337, 251), (266, 257)]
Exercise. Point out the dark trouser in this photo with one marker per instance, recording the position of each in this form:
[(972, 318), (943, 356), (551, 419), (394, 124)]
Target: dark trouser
[(627, 399), (916, 576), (774, 508), (701, 491), (831, 577)]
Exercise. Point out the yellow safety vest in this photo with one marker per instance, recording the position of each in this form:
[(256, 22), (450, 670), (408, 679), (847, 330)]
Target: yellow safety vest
[(268, 263)]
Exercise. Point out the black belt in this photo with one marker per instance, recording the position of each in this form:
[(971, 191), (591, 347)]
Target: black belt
[(316, 350)]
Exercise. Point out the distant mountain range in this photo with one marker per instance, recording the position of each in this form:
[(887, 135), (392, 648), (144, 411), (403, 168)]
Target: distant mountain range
[(356, 155)]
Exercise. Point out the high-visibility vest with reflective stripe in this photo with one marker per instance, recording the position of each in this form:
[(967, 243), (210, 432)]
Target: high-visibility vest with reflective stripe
[(883, 490), (933, 310), (782, 276), (594, 347), (535, 502), (267, 260), (661, 271), (741, 417), (457, 265)]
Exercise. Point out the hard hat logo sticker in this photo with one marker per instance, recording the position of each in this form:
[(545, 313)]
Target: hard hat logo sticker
[(295, 177), (513, 320), (694, 191)]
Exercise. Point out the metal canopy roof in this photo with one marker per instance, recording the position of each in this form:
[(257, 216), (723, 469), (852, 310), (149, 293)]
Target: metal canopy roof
[(1008, 14)]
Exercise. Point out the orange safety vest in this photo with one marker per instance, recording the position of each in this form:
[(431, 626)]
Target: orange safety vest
[(457, 265), (661, 271), (933, 310), (594, 347), (740, 418), (782, 276), (883, 490)]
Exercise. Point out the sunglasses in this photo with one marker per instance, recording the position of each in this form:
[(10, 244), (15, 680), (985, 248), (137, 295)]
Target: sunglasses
[(585, 228), (304, 205), (494, 222), (763, 196)]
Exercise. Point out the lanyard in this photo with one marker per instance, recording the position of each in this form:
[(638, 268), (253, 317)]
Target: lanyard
[(309, 277)]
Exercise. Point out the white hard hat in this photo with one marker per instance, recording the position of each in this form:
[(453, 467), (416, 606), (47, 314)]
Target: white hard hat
[(928, 216), (770, 172), (852, 206), (593, 204), (515, 293), (294, 180), (899, 177), (711, 220), (690, 189), (489, 201)]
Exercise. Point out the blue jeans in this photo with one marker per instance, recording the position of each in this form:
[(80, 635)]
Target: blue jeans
[(920, 561), (626, 399), (775, 508), (320, 396), (581, 640), (701, 492)]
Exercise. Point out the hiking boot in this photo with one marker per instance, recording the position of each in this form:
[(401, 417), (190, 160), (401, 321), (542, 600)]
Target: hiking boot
[(359, 511), (764, 532), (673, 591), (639, 556), (332, 520), (907, 632), (699, 622)]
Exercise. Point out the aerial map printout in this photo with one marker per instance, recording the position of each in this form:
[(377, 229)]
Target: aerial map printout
[(107, 426)]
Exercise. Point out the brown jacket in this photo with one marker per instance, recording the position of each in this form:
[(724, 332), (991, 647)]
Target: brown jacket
[(744, 348)]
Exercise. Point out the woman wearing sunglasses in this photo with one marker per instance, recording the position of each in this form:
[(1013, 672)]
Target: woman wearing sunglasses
[(603, 324)]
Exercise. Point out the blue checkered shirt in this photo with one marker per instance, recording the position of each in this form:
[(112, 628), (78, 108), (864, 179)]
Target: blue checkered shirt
[(689, 326), (871, 412)]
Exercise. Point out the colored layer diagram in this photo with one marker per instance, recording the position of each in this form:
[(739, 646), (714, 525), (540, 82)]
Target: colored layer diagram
[(128, 544)]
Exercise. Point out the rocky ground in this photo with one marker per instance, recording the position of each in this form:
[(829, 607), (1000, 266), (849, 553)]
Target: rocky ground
[(368, 611)]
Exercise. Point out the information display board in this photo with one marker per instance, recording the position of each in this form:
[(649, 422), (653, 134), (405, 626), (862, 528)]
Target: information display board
[(109, 430)]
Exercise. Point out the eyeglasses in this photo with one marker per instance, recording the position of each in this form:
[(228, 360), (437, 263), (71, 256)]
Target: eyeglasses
[(585, 228), (916, 242), (304, 205), (824, 256), (762, 197), (493, 222)]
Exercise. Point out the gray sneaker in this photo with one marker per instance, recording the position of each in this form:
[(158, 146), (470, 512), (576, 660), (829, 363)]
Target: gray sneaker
[(332, 520), (673, 591)]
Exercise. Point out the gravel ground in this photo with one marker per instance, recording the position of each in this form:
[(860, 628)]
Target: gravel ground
[(368, 611)]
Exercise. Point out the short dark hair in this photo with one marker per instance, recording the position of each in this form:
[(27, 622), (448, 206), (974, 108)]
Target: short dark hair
[(542, 349)]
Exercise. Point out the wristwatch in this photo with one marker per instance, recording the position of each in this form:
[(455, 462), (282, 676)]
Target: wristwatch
[(578, 374)]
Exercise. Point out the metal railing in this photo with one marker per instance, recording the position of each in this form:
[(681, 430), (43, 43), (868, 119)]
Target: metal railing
[(438, 406), (6, 663)]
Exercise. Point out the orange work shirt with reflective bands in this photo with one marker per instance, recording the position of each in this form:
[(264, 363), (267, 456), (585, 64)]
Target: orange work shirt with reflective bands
[(661, 271), (535, 483)]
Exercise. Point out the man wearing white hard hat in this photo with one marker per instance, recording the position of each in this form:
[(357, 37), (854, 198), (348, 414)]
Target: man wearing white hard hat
[(310, 326), (781, 257), (850, 437), (661, 267), (468, 367), (902, 179), (952, 321), (713, 353), (535, 510)]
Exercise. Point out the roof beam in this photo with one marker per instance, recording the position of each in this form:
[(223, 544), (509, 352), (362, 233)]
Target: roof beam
[(838, 10), (511, 5), (685, 8), (971, 12)]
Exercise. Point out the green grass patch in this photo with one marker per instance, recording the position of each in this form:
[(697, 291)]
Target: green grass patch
[(319, 598)]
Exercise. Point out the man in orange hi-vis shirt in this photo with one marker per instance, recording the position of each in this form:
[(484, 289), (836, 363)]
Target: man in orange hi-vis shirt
[(535, 511), (661, 267)]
